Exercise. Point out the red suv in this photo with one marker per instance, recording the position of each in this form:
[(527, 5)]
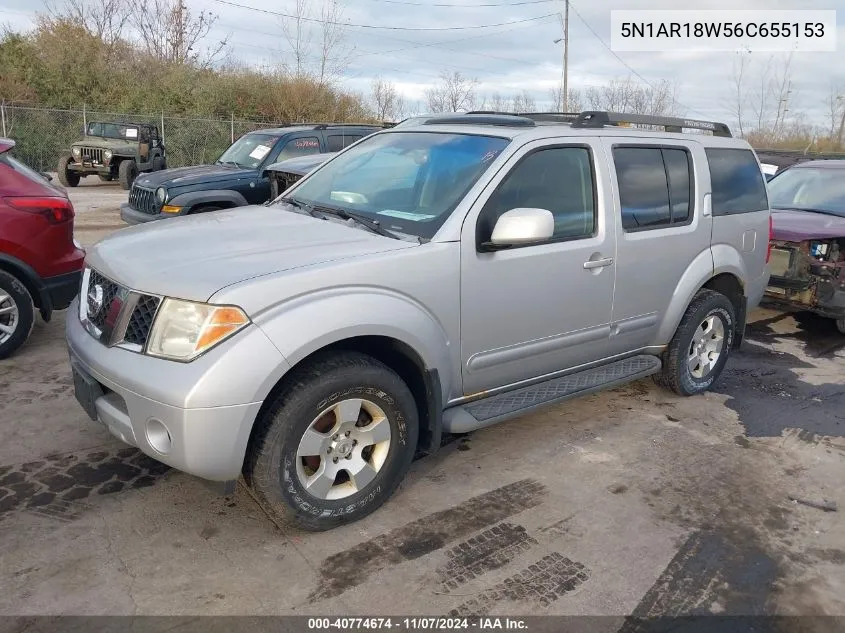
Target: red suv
[(40, 262)]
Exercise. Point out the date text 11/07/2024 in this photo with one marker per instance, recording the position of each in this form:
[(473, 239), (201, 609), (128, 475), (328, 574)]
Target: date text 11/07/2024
[(417, 624)]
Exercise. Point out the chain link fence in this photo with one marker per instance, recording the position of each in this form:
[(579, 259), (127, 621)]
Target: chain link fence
[(42, 135)]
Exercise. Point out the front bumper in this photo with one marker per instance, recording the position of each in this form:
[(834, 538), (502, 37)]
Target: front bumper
[(137, 393), (133, 216), (79, 168)]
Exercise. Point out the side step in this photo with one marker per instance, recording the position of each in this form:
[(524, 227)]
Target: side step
[(481, 413)]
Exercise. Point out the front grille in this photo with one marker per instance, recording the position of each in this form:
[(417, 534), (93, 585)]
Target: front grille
[(143, 200), (105, 311), (111, 291), (93, 154), (141, 320)]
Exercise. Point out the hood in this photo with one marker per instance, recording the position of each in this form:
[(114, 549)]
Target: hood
[(301, 165), (196, 175), (194, 256), (104, 142), (797, 226)]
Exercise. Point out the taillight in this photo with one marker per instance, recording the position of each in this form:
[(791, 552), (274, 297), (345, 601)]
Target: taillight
[(771, 237), (56, 210)]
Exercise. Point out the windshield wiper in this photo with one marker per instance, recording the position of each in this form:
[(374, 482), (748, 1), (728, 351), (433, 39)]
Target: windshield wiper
[(300, 206), (372, 225), (227, 162)]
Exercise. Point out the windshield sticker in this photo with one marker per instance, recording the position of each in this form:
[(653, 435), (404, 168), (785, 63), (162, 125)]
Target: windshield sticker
[(259, 152), (489, 156), (306, 142), (131, 132), (404, 215)]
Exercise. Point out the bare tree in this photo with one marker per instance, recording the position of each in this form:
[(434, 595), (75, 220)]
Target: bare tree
[(835, 103), (761, 99), (454, 92), (523, 102), (106, 19), (171, 32), (317, 40), (386, 100), (737, 102), (625, 95), (498, 103)]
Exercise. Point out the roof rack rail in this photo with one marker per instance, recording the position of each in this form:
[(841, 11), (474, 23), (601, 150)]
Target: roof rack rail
[(479, 117), (325, 126), (550, 117), (598, 119)]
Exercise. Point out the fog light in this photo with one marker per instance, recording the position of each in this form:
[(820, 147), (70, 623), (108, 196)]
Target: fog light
[(158, 436)]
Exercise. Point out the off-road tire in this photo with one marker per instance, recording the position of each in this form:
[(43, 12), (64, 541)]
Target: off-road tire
[(67, 177), (12, 286), (675, 374), (158, 163), (270, 466), (106, 177), (126, 173), (840, 325)]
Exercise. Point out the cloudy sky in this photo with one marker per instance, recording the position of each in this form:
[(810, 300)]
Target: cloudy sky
[(515, 56)]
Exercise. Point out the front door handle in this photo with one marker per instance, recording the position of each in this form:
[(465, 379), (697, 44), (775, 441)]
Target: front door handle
[(598, 263)]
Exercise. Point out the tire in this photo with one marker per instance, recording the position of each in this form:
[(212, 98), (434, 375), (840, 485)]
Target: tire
[(16, 313), (106, 178), (158, 163), (840, 325), (67, 177), (126, 173), (277, 473), (677, 373)]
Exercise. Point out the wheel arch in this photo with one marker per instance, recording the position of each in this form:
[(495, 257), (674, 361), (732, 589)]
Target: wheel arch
[(31, 281)]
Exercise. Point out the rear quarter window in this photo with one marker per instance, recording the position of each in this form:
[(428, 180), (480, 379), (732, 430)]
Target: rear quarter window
[(737, 183)]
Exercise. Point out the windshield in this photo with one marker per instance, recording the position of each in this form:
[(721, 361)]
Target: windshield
[(810, 189), (409, 181), (113, 130), (249, 151)]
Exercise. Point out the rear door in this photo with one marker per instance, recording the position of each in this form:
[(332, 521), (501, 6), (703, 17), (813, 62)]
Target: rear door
[(660, 227), (740, 212)]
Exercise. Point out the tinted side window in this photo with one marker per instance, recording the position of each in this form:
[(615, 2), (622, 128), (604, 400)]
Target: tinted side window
[(337, 142), (737, 182), (558, 179), (655, 186), (679, 171), (299, 147), (643, 187)]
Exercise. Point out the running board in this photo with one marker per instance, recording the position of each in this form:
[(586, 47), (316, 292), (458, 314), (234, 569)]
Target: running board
[(481, 413)]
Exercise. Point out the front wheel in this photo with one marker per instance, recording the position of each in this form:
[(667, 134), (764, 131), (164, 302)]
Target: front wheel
[(335, 444), (67, 177), (699, 350), (126, 173)]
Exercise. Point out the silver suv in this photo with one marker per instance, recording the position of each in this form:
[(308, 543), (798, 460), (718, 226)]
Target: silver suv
[(432, 278)]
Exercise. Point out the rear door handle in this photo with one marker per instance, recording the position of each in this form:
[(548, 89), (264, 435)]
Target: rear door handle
[(598, 263)]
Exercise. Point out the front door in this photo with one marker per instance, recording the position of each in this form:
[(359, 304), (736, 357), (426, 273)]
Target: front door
[(538, 309)]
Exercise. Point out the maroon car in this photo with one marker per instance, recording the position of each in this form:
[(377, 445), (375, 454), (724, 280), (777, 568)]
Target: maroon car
[(807, 262), (40, 263)]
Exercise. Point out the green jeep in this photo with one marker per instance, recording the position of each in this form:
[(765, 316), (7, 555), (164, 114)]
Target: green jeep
[(113, 150)]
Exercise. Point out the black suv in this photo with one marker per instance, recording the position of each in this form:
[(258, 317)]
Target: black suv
[(238, 177)]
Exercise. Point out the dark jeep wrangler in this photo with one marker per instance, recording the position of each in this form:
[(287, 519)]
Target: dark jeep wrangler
[(239, 177), (113, 150)]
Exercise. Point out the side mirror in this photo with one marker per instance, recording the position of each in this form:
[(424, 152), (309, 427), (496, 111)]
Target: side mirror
[(521, 226), (46, 176)]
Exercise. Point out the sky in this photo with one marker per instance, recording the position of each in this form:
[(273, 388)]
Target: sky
[(515, 57)]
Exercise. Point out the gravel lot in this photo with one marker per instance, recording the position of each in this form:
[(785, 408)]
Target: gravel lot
[(629, 501)]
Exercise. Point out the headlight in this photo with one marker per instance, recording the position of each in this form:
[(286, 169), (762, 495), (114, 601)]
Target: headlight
[(183, 330), (161, 195), (107, 155), (76, 151)]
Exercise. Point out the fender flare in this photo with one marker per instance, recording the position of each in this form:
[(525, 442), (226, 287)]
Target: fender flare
[(192, 199), (32, 281)]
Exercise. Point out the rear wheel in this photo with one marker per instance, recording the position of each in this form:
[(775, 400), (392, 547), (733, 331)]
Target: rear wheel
[(67, 177), (840, 325), (17, 314), (699, 350), (126, 173), (334, 444)]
